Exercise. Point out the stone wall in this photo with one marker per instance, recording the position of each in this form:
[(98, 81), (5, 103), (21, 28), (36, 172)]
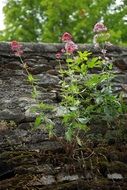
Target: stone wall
[(28, 158), (15, 91)]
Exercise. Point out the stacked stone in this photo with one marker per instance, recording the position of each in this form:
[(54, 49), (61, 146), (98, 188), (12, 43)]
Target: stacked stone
[(15, 90)]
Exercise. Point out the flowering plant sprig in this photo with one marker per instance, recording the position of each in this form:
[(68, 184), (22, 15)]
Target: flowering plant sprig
[(87, 96), (17, 49), (40, 107), (99, 27), (101, 37), (69, 48)]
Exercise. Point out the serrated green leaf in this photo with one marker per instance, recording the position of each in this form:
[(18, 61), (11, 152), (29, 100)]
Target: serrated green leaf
[(38, 121), (30, 78), (69, 135), (69, 60), (110, 66)]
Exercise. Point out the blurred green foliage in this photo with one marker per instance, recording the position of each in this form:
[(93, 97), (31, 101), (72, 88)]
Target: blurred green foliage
[(45, 21)]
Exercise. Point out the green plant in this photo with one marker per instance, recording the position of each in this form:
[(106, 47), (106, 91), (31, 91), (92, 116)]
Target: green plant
[(87, 89), (40, 109)]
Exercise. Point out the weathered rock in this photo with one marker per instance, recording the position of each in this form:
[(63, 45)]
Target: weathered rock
[(15, 91), (115, 176), (28, 158)]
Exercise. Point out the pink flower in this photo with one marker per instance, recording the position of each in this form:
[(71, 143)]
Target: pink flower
[(58, 55), (63, 50), (70, 47), (66, 37), (15, 45), (18, 53), (16, 48), (99, 27)]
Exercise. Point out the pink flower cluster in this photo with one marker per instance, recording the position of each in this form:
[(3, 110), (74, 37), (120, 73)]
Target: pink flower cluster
[(58, 55), (16, 47), (99, 27), (70, 46), (66, 37)]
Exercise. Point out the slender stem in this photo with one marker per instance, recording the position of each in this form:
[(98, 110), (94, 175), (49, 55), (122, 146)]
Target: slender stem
[(28, 73)]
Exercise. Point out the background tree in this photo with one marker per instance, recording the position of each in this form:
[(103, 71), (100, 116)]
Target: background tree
[(44, 20), (23, 20)]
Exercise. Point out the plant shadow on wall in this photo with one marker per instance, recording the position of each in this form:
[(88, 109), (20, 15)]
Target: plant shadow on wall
[(92, 109)]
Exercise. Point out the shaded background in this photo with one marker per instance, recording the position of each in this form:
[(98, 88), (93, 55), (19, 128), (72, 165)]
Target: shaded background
[(45, 21)]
